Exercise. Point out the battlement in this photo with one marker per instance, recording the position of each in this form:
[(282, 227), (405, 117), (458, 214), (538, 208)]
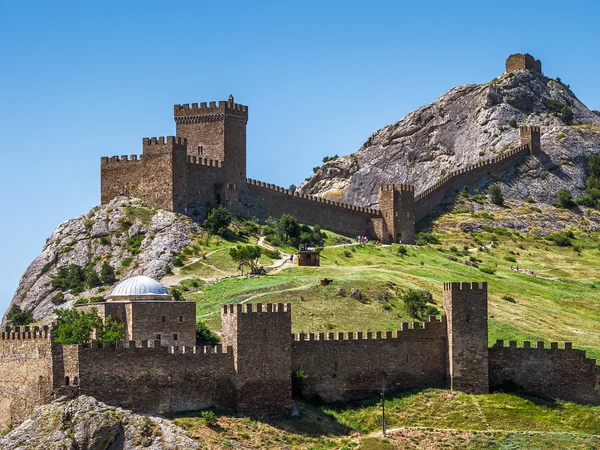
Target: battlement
[(535, 129), (450, 177), (312, 198), (162, 140), (122, 158), (396, 187), (205, 161), (209, 112), (433, 323), (26, 333), (154, 346), (249, 308), (474, 286)]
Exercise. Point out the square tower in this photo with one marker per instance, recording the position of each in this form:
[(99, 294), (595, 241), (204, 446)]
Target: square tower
[(216, 131), (466, 310), (523, 61), (531, 136), (261, 338), (397, 206)]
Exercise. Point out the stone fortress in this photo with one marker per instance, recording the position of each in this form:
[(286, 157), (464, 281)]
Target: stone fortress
[(158, 369), (253, 371), (206, 163)]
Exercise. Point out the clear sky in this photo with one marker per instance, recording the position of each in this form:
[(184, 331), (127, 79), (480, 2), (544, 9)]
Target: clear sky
[(85, 79)]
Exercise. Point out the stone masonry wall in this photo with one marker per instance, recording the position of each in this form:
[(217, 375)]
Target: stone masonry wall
[(26, 364), (338, 217), (157, 380), (356, 365), (260, 340), (434, 196), (520, 61), (149, 176), (562, 373)]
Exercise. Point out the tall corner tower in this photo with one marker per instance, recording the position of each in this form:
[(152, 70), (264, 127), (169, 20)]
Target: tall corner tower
[(216, 131), (466, 310)]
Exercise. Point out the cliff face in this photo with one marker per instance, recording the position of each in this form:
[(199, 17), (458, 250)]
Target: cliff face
[(464, 126), (133, 239)]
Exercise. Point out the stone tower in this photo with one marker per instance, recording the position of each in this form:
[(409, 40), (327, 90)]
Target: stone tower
[(523, 61), (466, 310), (397, 206), (531, 136), (216, 131), (262, 352)]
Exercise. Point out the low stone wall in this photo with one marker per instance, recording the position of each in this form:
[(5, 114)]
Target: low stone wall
[(556, 372), (356, 365), (157, 379)]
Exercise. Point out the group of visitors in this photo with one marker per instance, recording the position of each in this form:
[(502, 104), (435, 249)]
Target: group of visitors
[(362, 239)]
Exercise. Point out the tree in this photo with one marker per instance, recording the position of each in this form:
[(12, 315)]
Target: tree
[(205, 335), (218, 220), (594, 165), (246, 256), (565, 198), (567, 115), (290, 226), (92, 279), (416, 303), (496, 195), (76, 327), (107, 273), (292, 188), (17, 316)]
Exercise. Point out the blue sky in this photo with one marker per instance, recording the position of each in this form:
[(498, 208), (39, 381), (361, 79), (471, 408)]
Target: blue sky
[(85, 79)]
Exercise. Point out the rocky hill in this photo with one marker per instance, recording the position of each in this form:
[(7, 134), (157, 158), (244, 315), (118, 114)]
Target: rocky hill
[(464, 126), (85, 423), (129, 237)]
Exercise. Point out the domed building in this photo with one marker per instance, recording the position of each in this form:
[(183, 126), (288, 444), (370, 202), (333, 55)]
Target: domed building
[(149, 312)]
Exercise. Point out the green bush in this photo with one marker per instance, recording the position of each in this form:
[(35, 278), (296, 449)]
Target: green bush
[(424, 238), (530, 200), (209, 418), (105, 240), (178, 262), (496, 195), (134, 243), (58, 298), (246, 256), (75, 327), (561, 239), (18, 317), (508, 298), (567, 115), (299, 380), (513, 123), (488, 270), (402, 250), (217, 220), (205, 336), (126, 262), (96, 299), (510, 259), (273, 254), (555, 106), (176, 294), (565, 198), (71, 277)]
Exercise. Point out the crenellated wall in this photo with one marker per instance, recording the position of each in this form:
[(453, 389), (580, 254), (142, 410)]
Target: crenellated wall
[(563, 373), (158, 379), (346, 366), (342, 218), (454, 181), (26, 372)]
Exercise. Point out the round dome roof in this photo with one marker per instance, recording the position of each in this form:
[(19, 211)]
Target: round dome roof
[(141, 288)]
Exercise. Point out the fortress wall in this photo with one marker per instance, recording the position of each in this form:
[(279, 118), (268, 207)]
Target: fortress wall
[(434, 196), (157, 380), (205, 179), (26, 363), (338, 217), (349, 366), (563, 373)]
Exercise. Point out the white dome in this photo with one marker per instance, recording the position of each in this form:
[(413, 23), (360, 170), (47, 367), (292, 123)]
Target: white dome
[(141, 287)]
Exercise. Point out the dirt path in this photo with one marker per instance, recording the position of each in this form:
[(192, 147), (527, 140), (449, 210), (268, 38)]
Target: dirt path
[(262, 294)]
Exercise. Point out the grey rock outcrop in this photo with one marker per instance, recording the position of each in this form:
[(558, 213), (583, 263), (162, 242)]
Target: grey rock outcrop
[(87, 424), (105, 234), (464, 126)]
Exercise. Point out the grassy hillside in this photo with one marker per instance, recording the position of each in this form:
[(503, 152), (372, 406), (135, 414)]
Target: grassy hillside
[(428, 419), (558, 301)]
